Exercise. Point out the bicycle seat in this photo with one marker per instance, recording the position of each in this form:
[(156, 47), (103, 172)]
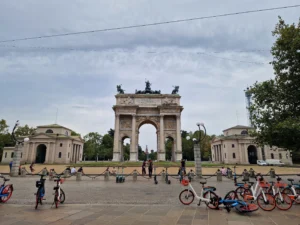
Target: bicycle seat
[(56, 180), (203, 182), (5, 179), (244, 180), (290, 179)]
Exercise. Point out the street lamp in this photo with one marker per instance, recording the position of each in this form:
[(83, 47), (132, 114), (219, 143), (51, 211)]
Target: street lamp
[(17, 152), (197, 151)]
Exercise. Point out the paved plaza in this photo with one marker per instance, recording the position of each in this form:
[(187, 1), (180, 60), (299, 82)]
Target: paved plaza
[(94, 201)]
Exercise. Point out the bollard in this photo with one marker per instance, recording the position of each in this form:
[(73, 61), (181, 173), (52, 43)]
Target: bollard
[(219, 175), (51, 173), (163, 176), (44, 172), (251, 173), (272, 173), (106, 176), (78, 176), (134, 175), (229, 173), (23, 172), (246, 176), (66, 173)]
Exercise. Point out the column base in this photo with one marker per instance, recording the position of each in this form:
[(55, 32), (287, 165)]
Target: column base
[(161, 156), (178, 156), (133, 157), (116, 157)]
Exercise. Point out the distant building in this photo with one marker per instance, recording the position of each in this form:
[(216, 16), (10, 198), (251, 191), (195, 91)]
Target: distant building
[(236, 146), (50, 144)]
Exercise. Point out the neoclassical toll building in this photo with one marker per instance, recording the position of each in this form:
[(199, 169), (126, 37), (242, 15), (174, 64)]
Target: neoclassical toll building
[(236, 146), (50, 144)]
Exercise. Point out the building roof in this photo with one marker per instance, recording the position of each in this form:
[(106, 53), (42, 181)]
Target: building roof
[(58, 136), (52, 126), (239, 127)]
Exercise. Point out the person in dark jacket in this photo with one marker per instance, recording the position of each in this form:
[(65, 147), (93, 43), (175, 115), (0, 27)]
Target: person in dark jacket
[(150, 168), (144, 168)]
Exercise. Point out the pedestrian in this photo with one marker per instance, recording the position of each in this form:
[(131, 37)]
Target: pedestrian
[(183, 165), (31, 167), (224, 171), (150, 168), (144, 168), (73, 170), (10, 166), (113, 171), (80, 170)]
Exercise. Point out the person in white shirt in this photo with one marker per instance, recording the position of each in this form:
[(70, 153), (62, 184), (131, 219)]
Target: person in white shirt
[(73, 170), (224, 171)]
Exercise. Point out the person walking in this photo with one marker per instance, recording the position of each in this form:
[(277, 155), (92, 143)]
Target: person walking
[(150, 168), (10, 166), (183, 166), (144, 168)]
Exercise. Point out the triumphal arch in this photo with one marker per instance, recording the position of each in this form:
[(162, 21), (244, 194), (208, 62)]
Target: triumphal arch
[(132, 111)]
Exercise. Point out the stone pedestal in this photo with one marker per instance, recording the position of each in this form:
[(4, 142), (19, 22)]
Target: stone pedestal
[(16, 162), (23, 172), (133, 157), (134, 175), (106, 176), (161, 156), (163, 176), (78, 176), (219, 176), (197, 156)]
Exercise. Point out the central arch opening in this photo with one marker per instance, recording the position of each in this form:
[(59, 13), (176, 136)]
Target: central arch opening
[(40, 153), (147, 141), (170, 149), (125, 149)]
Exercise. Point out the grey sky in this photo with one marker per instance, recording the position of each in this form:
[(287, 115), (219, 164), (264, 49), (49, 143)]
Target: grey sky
[(81, 83)]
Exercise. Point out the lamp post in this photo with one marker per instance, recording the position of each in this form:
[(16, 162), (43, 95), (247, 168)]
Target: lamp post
[(197, 151), (17, 152)]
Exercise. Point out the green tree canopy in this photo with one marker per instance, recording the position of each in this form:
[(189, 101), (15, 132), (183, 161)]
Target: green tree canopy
[(24, 131), (275, 109)]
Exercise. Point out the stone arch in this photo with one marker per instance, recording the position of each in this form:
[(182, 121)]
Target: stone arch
[(163, 111)]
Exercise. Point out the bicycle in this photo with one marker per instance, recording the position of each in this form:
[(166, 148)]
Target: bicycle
[(230, 201), (59, 194), (258, 194), (5, 190), (207, 195), (39, 195), (293, 191), (282, 200)]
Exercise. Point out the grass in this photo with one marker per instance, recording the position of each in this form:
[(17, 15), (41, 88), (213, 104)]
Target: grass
[(138, 164)]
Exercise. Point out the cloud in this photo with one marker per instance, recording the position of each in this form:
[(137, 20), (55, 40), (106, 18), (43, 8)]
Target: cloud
[(78, 74)]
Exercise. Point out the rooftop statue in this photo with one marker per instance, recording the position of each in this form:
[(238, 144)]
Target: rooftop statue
[(175, 91), (119, 89), (147, 90)]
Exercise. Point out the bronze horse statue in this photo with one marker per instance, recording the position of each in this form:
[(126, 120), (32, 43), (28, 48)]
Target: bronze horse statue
[(119, 89), (175, 91)]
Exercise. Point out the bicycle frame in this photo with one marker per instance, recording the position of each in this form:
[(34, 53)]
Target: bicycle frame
[(276, 190), (256, 191), (3, 186), (295, 196), (199, 198)]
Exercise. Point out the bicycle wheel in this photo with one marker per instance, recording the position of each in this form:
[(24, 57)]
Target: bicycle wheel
[(284, 202), (37, 198), (214, 199), (267, 205), (62, 197), (7, 191), (240, 192), (186, 197), (231, 195), (56, 198), (289, 192)]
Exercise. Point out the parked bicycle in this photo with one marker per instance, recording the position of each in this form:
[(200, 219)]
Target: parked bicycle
[(230, 201), (39, 195), (293, 191), (59, 194), (5, 190), (264, 200), (282, 200), (207, 195)]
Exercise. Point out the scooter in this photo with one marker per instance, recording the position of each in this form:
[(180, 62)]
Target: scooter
[(120, 178)]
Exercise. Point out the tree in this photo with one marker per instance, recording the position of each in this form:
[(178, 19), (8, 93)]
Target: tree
[(73, 133), (92, 145), (275, 109), (111, 132), (24, 131), (6, 139)]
